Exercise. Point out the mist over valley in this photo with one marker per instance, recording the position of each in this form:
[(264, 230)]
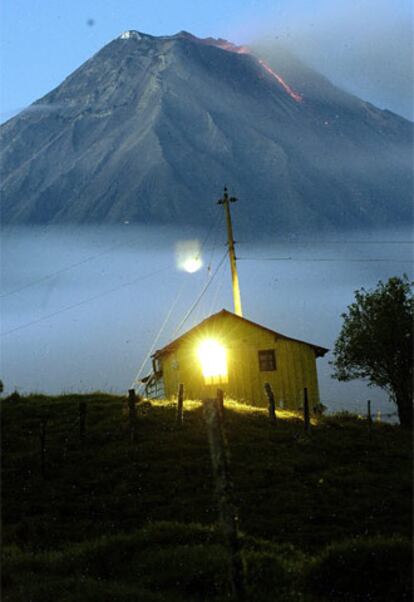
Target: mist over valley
[(82, 308)]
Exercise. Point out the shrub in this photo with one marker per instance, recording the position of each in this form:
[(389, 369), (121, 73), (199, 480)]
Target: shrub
[(266, 576), (15, 396), (364, 569)]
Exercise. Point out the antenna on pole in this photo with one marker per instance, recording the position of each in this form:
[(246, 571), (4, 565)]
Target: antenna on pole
[(226, 200)]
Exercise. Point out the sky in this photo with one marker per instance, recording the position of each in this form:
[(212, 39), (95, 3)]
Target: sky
[(364, 46)]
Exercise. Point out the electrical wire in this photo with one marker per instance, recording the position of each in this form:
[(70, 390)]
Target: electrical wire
[(204, 289), (214, 245), (334, 242), (212, 248), (205, 308), (148, 355), (157, 336), (213, 305), (213, 226), (65, 269), (325, 259), (83, 302)]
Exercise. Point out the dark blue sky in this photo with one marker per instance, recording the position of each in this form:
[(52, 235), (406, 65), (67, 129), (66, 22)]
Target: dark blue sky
[(365, 46)]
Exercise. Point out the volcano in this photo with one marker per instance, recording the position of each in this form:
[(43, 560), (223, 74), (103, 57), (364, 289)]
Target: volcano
[(150, 129)]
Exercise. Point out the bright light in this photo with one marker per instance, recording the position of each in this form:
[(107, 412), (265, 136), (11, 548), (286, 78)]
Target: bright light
[(192, 264), (188, 255), (213, 359)]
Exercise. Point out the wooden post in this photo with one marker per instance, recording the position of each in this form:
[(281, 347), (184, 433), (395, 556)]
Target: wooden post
[(369, 419), (220, 403), (223, 487), (271, 403), (132, 407), (306, 414), (82, 420), (42, 436), (180, 405)]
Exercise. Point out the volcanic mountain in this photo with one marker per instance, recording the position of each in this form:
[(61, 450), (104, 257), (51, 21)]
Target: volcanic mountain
[(151, 128)]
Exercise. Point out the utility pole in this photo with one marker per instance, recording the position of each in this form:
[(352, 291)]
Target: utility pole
[(226, 200)]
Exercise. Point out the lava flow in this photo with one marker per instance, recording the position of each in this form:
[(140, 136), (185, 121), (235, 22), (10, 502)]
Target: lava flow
[(225, 45), (282, 82)]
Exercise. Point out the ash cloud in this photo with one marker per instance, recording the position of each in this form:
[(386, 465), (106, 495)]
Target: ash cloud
[(363, 47)]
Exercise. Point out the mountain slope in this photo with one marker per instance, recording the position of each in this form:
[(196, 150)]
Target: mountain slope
[(150, 128)]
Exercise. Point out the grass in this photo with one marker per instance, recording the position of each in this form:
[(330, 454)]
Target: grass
[(119, 521)]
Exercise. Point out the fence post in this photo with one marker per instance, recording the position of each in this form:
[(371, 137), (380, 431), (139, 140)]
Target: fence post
[(82, 420), (42, 436), (271, 403), (220, 403), (132, 414), (306, 414), (180, 404), (223, 488), (369, 418)]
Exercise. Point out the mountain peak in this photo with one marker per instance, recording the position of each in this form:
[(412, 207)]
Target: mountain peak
[(150, 127), (210, 41), (133, 34), (185, 34)]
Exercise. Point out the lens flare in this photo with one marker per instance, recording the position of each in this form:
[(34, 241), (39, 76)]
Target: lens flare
[(188, 256), (192, 264)]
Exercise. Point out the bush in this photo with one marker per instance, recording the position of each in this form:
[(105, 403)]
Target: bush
[(266, 576), (371, 569), (15, 396)]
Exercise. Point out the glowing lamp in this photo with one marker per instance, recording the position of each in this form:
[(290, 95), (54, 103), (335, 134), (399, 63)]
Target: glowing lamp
[(213, 360)]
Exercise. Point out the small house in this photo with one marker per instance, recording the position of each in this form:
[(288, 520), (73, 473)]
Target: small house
[(255, 355)]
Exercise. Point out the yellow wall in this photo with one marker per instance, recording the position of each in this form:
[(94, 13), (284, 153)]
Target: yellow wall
[(296, 365)]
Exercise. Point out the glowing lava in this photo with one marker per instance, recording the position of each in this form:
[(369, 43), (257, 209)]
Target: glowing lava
[(225, 45), (282, 82)]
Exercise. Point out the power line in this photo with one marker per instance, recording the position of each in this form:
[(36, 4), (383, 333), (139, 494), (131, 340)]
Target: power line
[(65, 269), (326, 259), (157, 336), (334, 242), (216, 294), (196, 302), (212, 226), (83, 302)]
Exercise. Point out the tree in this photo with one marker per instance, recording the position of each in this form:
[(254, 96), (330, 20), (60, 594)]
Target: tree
[(376, 342)]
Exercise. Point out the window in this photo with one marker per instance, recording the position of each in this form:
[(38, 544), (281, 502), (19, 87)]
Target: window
[(267, 360)]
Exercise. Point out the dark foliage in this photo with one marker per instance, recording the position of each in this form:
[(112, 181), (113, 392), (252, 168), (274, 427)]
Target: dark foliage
[(364, 569), (376, 342), (91, 529)]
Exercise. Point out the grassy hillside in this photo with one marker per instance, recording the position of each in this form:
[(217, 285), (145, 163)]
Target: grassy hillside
[(325, 516)]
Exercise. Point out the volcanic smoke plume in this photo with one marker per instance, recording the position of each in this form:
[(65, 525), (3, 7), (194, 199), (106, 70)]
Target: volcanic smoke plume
[(229, 46)]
